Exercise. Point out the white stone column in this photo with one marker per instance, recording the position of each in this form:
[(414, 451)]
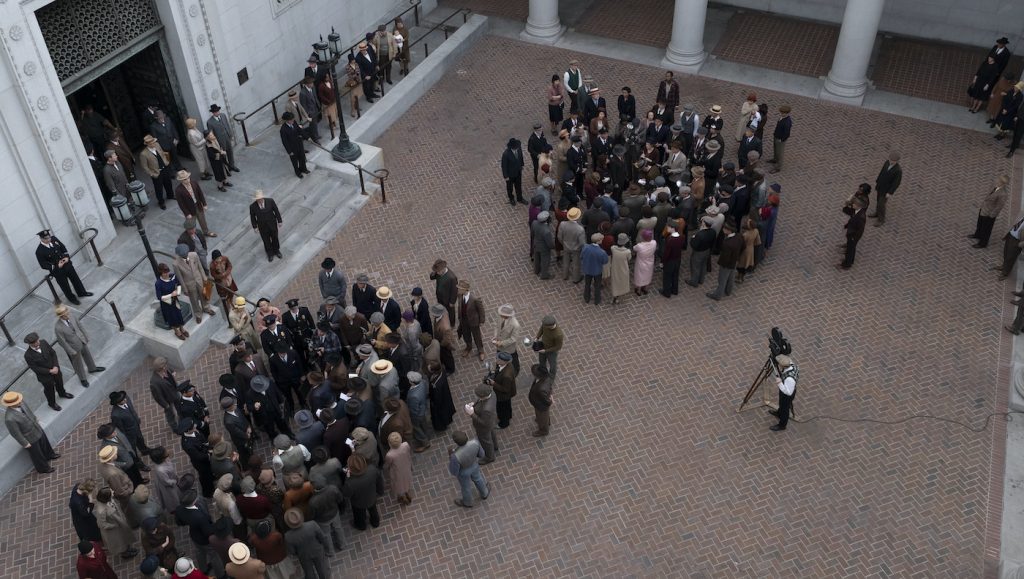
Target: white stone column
[(686, 50), (542, 26), (847, 81)]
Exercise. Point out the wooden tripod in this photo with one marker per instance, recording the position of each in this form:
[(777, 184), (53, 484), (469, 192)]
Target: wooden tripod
[(766, 398)]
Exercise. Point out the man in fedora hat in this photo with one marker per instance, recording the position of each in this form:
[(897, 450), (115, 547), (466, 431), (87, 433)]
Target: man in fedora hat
[(572, 237), (1000, 54), (287, 370), (75, 342), (195, 444), (195, 239), (124, 458), (266, 406), (484, 413), (237, 427), (24, 428), (332, 281), (265, 218), (471, 317), (124, 416), (447, 338), (594, 103), (53, 256), (191, 200), (786, 381), (543, 243), (157, 164), (512, 170), (311, 104), (193, 279), (446, 287), (42, 360), (167, 135), (387, 51), (192, 406), (535, 146), (222, 129), (779, 137), (195, 514), (116, 478), (506, 335), (308, 543), (291, 139)]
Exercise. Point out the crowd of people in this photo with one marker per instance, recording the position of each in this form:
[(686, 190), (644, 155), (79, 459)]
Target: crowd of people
[(1001, 93)]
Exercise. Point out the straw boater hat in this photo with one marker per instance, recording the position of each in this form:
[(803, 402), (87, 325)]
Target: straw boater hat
[(238, 553), (12, 399), (61, 310), (362, 45), (717, 109), (383, 292), (574, 214), (108, 454), (259, 194), (239, 301), (382, 367)]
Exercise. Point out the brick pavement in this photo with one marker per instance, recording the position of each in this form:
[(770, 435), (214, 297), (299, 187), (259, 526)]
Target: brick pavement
[(779, 43), (930, 70), (646, 22), (649, 471)]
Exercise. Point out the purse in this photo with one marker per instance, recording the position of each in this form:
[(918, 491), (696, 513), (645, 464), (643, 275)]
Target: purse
[(207, 289)]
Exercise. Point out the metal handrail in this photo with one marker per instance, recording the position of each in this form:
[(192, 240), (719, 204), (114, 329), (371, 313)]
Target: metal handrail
[(243, 116), (380, 175), (47, 279), (465, 12)]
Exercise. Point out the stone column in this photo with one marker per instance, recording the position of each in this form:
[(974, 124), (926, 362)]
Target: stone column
[(686, 50), (847, 81), (542, 26)]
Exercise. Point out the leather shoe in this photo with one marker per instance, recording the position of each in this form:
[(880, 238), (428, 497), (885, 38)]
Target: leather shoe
[(977, 246), (47, 471), (270, 258), (236, 169), (74, 301), (85, 295), (462, 504), (55, 456), (85, 384), (486, 461), (278, 254), (67, 395), (773, 412), (97, 369), (1012, 330), (1019, 294), (56, 407), (776, 428), (1015, 302)]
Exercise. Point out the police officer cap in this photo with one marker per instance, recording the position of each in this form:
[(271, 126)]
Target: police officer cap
[(504, 356), (185, 386), (293, 303)]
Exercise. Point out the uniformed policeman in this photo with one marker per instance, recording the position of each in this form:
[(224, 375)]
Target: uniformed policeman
[(299, 321), (788, 375), (53, 256)]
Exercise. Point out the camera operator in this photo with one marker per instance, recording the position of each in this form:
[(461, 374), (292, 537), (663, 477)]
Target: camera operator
[(786, 381)]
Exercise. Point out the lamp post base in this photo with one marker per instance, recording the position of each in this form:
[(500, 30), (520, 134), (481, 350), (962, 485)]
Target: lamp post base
[(346, 151)]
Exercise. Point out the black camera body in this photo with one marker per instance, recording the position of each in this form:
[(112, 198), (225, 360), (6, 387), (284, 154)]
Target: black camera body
[(778, 343)]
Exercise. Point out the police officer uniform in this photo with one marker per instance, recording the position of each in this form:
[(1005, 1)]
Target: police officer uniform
[(49, 254)]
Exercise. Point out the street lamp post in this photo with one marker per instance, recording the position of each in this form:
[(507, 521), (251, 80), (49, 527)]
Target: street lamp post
[(129, 213), (328, 55)]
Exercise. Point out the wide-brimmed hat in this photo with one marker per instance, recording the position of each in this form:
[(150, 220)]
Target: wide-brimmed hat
[(239, 553), (353, 406), (181, 250), (383, 292), (259, 383), (303, 418), (784, 109), (258, 195), (360, 434), (12, 399), (381, 367), (214, 108), (183, 175), (713, 146), (414, 377), (364, 350), (463, 285), (117, 396), (183, 566), (438, 310), (593, 90), (377, 318), (1003, 40), (712, 210), (293, 518), (228, 401), (221, 450), (506, 310), (108, 453)]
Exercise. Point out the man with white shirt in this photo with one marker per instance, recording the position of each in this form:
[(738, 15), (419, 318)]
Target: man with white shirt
[(788, 375), (572, 80)]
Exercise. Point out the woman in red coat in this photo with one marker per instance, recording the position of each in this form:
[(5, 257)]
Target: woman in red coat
[(92, 562)]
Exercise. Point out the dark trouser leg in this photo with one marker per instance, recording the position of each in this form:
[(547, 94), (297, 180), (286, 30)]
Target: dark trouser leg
[(597, 289), (587, 280), (72, 276), (698, 266), (533, 159), (40, 458), (62, 281), (478, 337), (1018, 321), (368, 90), (448, 360), (785, 403), (172, 418), (983, 231), (515, 361), (549, 360), (851, 251), (543, 418), (295, 165), (359, 518), (1011, 251), (134, 474), (486, 441), (374, 516), (508, 191), (504, 410), (517, 182), (670, 278), (577, 185), (880, 200)]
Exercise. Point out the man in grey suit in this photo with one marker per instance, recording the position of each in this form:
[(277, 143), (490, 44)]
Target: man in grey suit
[(114, 175), (75, 342), (127, 459), (221, 127), (332, 282), (24, 428), (311, 103)]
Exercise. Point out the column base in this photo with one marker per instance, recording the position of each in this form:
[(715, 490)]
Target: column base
[(687, 63), (542, 35), (844, 92)]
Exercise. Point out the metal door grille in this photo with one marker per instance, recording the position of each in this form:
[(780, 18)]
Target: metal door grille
[(81, 33)]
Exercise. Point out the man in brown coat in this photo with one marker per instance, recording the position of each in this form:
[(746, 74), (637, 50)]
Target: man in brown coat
[(118, 481), (191, 200), (445, 336), (396, 419), (471, 317)]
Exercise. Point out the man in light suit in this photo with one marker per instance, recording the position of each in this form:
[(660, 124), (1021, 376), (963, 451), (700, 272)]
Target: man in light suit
[(221, 127), (75, 342), (21, 422), (42, 360), (332, 281)]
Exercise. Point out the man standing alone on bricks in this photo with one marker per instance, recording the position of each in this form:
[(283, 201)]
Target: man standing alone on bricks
[(886, 184), (788, 375), (266, 218)]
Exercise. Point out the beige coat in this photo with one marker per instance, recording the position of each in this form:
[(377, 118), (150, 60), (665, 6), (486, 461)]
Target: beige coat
[(117, 535), (993, 203), (506, 335), (301, 116), (118, 481), (751, 239), (619, 266), (241, 323), (741, 123), (197, 144), (251, 569), (398, 468), (392, 48), (444, 333), (191, 276), (148, 160)]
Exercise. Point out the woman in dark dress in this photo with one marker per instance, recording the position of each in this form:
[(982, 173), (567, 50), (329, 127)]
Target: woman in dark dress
[(442, 409), (157, 539), (81, 511), (218, 161), (167, 291), (981, 85)]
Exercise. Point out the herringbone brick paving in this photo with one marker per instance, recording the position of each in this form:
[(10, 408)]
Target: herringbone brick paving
[(649, 471)]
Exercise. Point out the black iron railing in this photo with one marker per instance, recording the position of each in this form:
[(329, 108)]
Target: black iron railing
[(442, 25)]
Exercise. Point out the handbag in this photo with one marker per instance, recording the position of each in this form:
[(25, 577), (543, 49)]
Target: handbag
[(351, 82), (207, 289)]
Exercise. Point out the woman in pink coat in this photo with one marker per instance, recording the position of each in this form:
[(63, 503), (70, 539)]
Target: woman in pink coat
[(398, 467), (644, 268)]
